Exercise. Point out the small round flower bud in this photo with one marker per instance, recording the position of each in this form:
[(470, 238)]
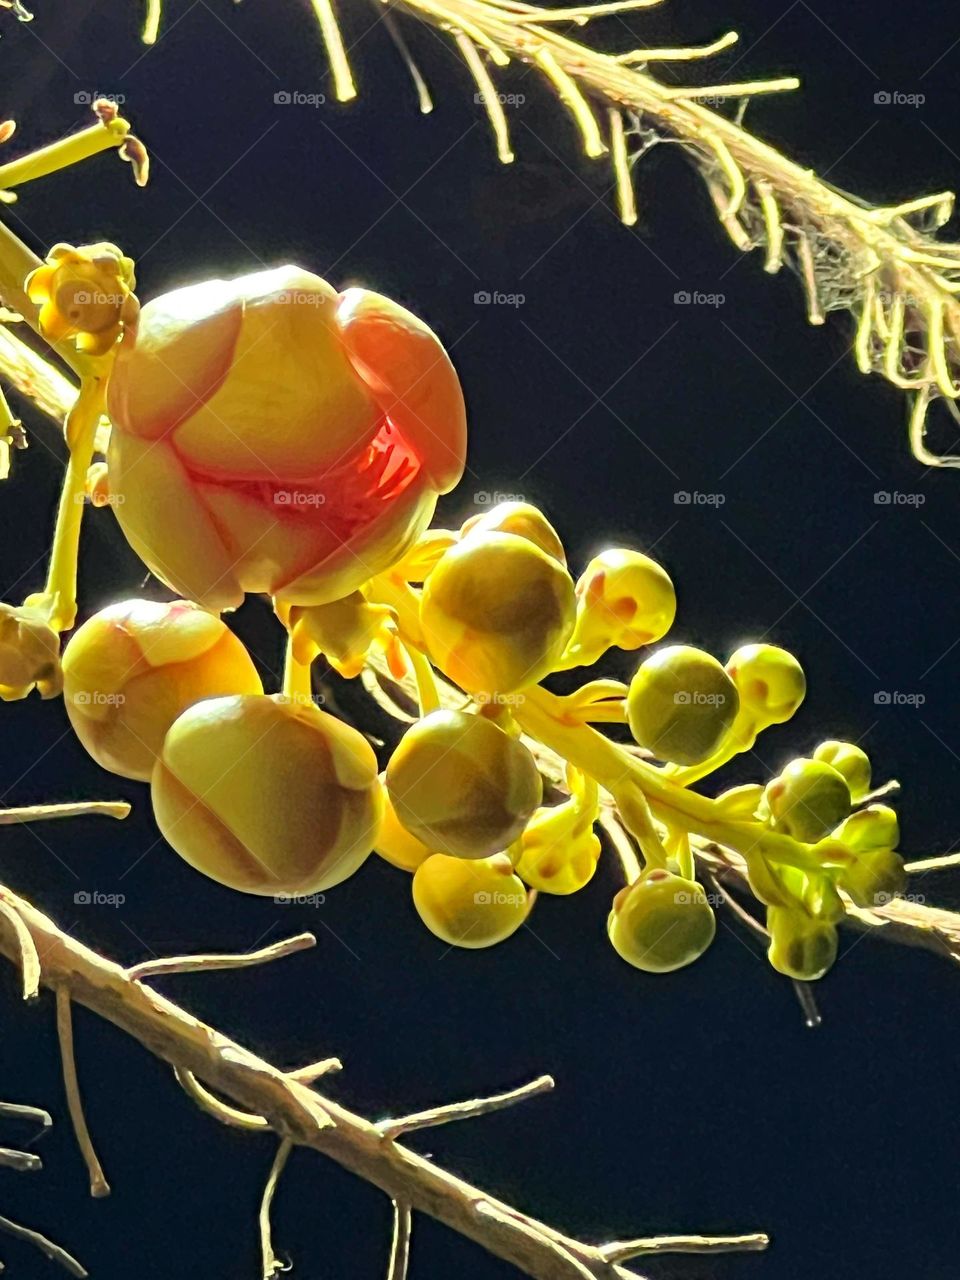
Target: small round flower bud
[(849, 760), (807, 800), (661, 922), (133, 668), (624, 599), (497, 612), (461, 785), (680, 704), (875, 827), (800, 947), (267, 795), (521, 518), (874, 877), (471, 904), (29, 654), (770, 682), (559, 850)]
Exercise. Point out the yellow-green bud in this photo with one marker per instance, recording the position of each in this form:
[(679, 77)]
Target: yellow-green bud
[(471, 904), (851, 761), (807, 800), (267, 795), (770, 682), (680, 704), (497, 612), (800, 947), (661, 922), (461, 785), (874, 877), (521, 518), (875, 827), (559, 850), (624, 599)]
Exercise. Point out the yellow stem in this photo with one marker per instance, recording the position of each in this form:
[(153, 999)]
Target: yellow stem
[(296, 676), (65, 152), (428, 695)]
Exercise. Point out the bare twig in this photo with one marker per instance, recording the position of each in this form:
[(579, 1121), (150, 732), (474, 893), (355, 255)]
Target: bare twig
[(271, 1263), (16, 1111), (87, 808), (307, 1075), (53, 1251), (400, 1244), (29, 959), (390, 1129), (216, 1107), (622, 1251), (198, 963), (296, 1112), (19, 1161), (98, 1183)]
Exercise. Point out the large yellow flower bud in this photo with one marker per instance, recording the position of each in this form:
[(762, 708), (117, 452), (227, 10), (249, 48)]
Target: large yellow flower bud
[(681, 703), (267, 795), (661, 922), (272, 435), (471, 904), (131, 669), (497, 612), (461, 785)]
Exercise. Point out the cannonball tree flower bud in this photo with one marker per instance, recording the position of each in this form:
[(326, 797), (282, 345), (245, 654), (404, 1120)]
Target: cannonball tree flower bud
[(461, 785), (800, 947), (624, 599), (875, 827), (133, 668), (806, 800), (680, 704), (471, 904), (521, 518), (29, 654), (558, 848), (770, 682), (661, 922), (395, 844), (496, 613), (874, 877), (272, 435), (849, 760), (267, 795), (85, 295)]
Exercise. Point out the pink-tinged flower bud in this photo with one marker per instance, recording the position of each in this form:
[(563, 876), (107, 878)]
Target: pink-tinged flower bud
[(272, 435), (134, 667), (267, 795)]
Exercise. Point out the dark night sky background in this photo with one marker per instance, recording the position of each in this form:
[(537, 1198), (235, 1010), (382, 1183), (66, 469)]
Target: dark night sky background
[(693, 1102)]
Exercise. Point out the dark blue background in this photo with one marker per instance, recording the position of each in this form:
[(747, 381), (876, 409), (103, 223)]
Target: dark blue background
[(692, 1102)]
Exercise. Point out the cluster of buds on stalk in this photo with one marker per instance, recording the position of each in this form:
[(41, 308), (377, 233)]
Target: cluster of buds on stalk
[(268, 435)]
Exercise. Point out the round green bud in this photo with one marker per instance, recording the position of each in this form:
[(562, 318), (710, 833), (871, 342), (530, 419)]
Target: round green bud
[(497, 612), (521, 518), (770, 682), (461, 785), (661, 922), (851, 761), (471, 904), (875, 877), (875, 827), (807, 800), (800, 947), (680, 704)]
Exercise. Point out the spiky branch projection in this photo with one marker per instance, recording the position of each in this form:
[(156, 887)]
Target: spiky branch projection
[(211, 1068)]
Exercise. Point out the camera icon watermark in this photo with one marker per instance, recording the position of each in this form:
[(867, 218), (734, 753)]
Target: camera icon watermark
[(296, 98), (688, 498), (896, 698), (84, 98), (897, 98), (94, 898), (894, 498), (493, 498), (696, 298), (300, 899), (495, 298), (97, 698), (298, 498)]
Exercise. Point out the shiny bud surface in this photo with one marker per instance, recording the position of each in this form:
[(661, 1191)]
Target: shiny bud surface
[(471, 904), (850, 761), (461, 785), (496, 613), (624, 600), (267, 795), (875, 827), (680, 704), (874, 878), (522, 519), (770, 682), (134, 667), (800, 947), (395, 844), (661, 922), (806, 800)]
